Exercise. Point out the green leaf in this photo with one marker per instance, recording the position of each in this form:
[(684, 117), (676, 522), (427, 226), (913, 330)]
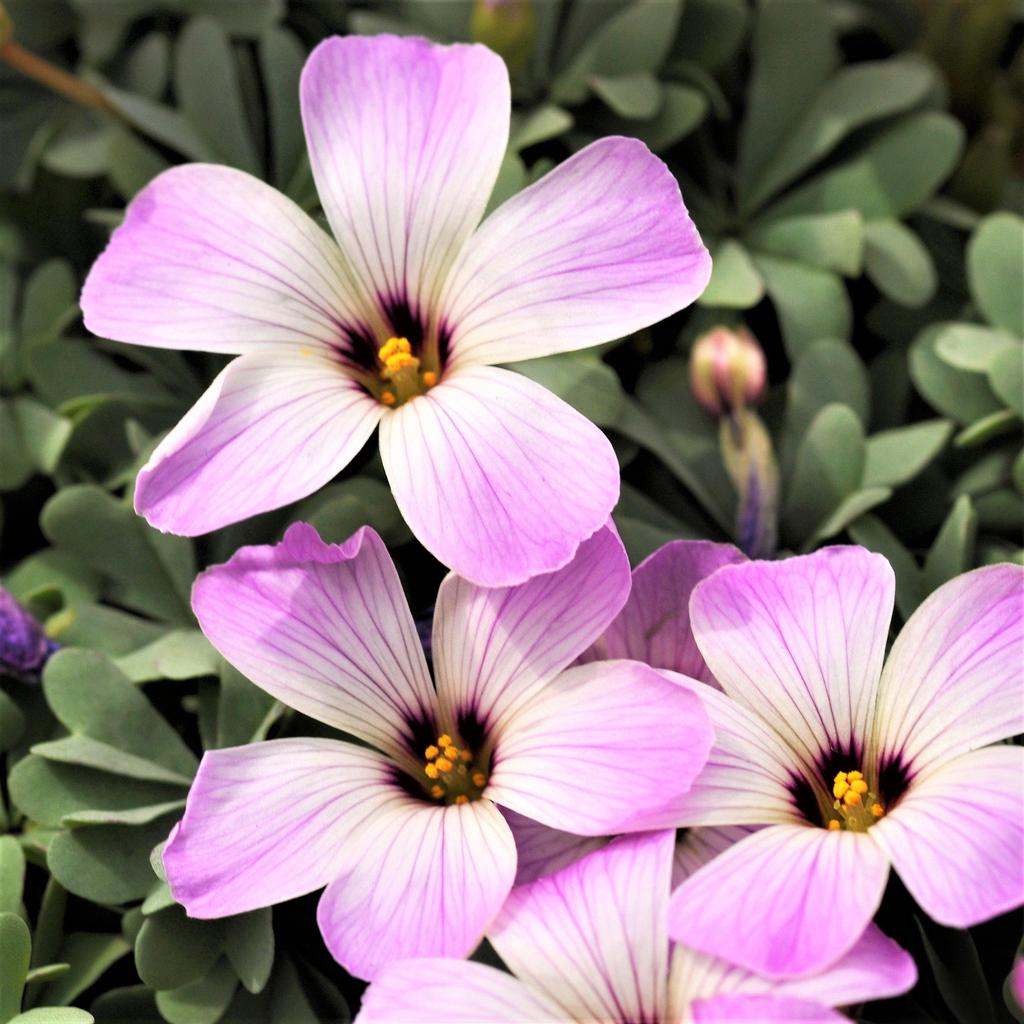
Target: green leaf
[(249, 944), (855, 96), (131, 163), (995, 270), (43, 432), (12, 722), (711, 31), (1006, 377), (107, 630), (682, 109), (48, 972), (161, 123), (889, 177), (849, 509), (92, 753), (794, 54), (338, 510), (811, 303), (12, 874), (972, 347), (636, 95), (589, 385), (133, 1004), (869, 531), (54, 1015), (89, 954), (951, 553), (173, 949), (16, 944), (547, 121), (898, 263), (132, 816), (179, 654), (281, 56), (49, 302), (735, 282), (958, 394), (89, 695), (107, 863), (829, 467), (206, 84), (897, 456), (200, 1002), (241, 707), (982, 431), (16, 463), (149, 571), (956, 968), (147, 66), (831, 241), (511, 179)]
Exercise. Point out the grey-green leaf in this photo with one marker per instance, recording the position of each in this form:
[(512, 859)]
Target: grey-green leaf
[(896, 456), (995, 270), (897, 262)]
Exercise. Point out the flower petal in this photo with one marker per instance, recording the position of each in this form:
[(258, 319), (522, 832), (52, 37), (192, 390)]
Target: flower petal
[(405, 140), (955, 675), (420, 881), (598, 248), (272, 428), (458, 991), (607, 747), (325, 629), (742, 1009), (211, 258), (494, 647), (780, 901), (265, 823), (800, 642), (956, 838), (749, 771), (543, 851), (499, 479), (592, 938), (696, 846), (654, 625)]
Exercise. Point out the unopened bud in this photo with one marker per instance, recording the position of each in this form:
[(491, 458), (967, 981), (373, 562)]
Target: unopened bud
[(24, 647), (508, 27), (727, 370), (6, 25)]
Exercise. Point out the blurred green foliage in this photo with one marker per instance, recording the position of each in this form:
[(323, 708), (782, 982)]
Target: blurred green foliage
[(854, 167)]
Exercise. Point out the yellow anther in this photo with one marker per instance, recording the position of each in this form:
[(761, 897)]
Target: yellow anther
[(840, 788), (840, 777), (461, 799), (392, 347), (851, 798), (432, 771), (431, 752), (398, 361), (451, 752), (465, 755), (444, 740), (859, 786), (479, 779), (388, 397), (437, 791), (854, 776), (833, 825), (430, 378), (444, 765), (877, 810)]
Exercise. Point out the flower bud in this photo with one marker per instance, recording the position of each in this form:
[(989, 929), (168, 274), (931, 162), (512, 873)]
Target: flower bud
[(508, 27), (24, 647), (727, 370)]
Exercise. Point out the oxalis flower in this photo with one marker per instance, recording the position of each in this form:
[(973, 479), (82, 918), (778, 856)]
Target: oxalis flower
[(399, 319), (590, 944), (853, 767), (404, 829)]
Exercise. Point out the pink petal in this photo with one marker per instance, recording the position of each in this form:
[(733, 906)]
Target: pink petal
[(499, 479), (749, 770), (494, 647), (421, 881), (272, 428), (325, 629), (598, 248), (800, 642), (654, 625), (696, 846), (780, 901), (956, 838), (592, 938), (405, 140), (542, 850), (266, 822), (211, 258), (458, 991), (607, 747), (744, 1009), (955, 676)]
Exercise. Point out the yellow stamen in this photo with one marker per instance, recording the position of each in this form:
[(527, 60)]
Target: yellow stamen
[(429, 378), (840, 788), (461, 799), (833, 825), (465, 755), (856, 806), (388, 397), (479, 779), (859, 786), (432, 771), (851, 797), (444, 765), (853, 776), (444, 740), (451, 752), (431, 752), (437, 792), (877, 810)]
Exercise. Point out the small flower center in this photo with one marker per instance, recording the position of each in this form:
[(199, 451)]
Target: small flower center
[(400, 372), (856, 807), (451, 775)]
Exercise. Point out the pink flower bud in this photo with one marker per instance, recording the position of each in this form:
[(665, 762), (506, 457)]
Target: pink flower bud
[(727, 370)]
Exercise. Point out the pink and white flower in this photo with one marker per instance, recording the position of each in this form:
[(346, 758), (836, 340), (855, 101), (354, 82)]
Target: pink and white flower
[(404, 828), (853, 767), (400, 319), (591, 943)]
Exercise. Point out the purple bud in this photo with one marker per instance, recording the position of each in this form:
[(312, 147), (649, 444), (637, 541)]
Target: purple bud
[(24, 647), (727, 370)]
